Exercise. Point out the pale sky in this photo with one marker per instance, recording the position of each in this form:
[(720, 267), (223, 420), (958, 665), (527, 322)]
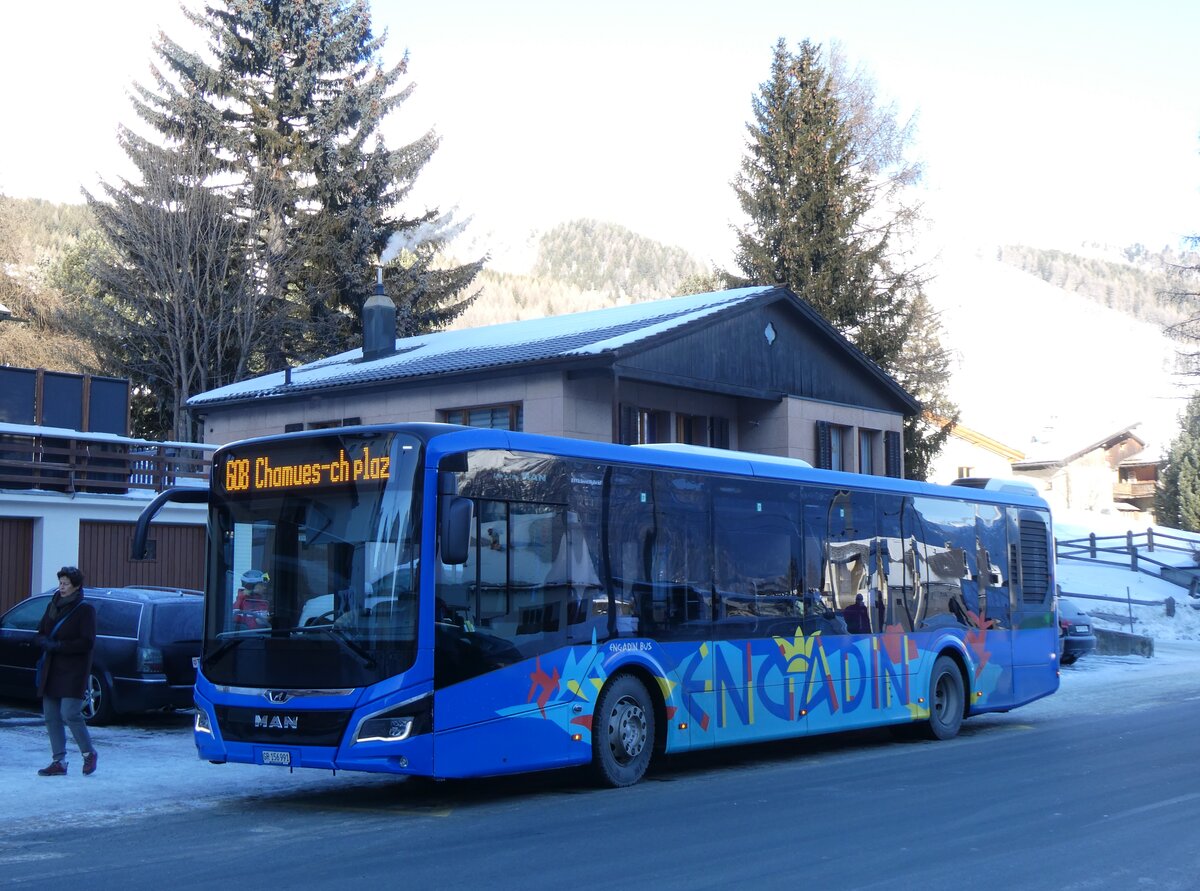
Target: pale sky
[(1045, 123)]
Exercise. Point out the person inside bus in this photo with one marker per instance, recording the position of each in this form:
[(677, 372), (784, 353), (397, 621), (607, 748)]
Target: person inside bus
[(252, 606), (858, 619)]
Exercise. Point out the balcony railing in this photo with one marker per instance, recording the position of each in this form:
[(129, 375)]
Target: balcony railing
[(68, 461), (1134, 489)]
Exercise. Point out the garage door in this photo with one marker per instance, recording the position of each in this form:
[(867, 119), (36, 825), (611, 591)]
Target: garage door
[(16, 560), (177, 555)]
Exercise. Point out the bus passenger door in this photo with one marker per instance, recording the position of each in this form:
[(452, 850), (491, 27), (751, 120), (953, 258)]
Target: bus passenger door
[(994, 607), (502, 671)]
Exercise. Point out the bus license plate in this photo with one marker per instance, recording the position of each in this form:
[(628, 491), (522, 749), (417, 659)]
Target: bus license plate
[(284, 758)]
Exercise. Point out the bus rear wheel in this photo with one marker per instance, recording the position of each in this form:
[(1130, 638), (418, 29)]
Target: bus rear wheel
[(946, 699), (622, 732)]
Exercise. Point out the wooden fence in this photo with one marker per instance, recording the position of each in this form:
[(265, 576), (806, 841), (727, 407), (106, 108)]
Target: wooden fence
[(113, 465)]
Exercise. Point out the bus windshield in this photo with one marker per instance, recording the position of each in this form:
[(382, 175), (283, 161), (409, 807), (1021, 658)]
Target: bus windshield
[(313, 557)]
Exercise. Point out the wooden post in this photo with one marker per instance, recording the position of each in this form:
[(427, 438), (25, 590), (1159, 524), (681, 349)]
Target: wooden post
[(1170, 605), (1150, 539), (1129, 603), (1092, 545)]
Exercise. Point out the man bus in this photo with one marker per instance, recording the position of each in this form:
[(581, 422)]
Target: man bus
[(458, 602)]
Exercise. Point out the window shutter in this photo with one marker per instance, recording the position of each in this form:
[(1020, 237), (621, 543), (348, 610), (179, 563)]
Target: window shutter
[(718, 436), (893, 453), (628, 431), (824, 446)]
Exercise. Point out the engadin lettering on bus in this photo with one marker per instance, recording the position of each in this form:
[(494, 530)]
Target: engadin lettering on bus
[(263, 474)]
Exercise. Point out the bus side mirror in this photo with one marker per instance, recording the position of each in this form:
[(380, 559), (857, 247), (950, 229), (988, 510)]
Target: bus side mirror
[(455, 530)]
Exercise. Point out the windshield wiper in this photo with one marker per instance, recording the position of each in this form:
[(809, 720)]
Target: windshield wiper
[(229, 640), (343, 639)]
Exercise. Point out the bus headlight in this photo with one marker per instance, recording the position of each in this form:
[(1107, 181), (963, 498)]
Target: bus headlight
[(385, 729), (202, 724), (397, 723)]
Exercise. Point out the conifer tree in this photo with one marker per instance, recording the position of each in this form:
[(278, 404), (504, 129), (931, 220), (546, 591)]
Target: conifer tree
[(1177, 502), (818, 186), (289, 101)]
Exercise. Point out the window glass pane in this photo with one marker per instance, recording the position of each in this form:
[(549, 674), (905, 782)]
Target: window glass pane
[(992, 559), (630, 545), (174, 622), (25, 616), (492, 587), (757, 566), (682, 560), (853, 559), (117, 618), (944, 545), (866, 451)]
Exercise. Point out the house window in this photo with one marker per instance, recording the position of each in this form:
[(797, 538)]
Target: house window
[(322, 425), (835, 445), (867, 440), (653, 426), (964, 472), (692, 429), (648, 425), (329, 425), (494, 417)]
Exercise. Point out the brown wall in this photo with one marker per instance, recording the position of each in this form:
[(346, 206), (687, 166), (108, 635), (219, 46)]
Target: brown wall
[(16, 561), (104, 555)]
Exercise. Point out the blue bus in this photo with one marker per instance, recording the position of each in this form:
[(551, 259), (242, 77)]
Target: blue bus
[(447, 602)]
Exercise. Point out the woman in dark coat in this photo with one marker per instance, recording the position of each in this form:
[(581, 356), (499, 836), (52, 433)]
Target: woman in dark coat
[(67, 633)]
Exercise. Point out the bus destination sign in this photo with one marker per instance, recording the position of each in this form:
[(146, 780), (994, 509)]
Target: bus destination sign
[(268, 473)]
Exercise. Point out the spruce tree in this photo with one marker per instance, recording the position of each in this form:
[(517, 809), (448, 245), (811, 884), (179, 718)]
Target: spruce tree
[(1177, 502), (289, 100), (818, 187)]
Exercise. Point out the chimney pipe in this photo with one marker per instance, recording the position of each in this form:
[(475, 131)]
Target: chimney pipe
[(379, 322)]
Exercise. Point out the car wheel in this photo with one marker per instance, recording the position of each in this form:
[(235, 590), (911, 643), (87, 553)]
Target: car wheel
[(97, 701), (622, 732), (945, 699)]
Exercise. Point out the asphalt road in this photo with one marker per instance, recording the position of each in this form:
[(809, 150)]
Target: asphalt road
[(1106, 797)]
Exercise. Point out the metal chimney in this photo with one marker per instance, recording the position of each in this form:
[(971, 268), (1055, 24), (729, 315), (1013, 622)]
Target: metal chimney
[(379, 323)]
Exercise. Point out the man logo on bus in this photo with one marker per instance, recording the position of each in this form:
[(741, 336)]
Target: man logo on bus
[(277, 722)]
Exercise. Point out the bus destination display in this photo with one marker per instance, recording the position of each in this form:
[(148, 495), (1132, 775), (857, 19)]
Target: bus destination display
[(269, 473)]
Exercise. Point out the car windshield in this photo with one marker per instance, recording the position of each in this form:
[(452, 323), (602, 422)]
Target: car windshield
[(313, 562)]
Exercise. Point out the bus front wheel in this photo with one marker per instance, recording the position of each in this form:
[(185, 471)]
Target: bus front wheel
[(946, 699), (622, 732)]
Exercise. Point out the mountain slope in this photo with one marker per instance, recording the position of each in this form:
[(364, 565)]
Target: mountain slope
[(1036, 363)]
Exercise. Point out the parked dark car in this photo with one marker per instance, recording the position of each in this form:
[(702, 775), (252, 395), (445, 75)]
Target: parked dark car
[(1076, 635), (147, 647)]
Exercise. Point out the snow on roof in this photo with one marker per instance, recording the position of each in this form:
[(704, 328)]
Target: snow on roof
[(1060, 449), (68, 433), (493, 346)]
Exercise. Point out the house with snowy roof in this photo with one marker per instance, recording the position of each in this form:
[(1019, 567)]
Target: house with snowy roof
[(754, 369), (1098, 475)]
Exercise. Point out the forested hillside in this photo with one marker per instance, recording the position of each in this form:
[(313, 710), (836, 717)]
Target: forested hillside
[(582, 265), (34, 232), (1136, 282), (34, 238)]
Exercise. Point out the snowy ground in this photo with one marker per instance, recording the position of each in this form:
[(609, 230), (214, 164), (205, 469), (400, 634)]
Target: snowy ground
[(1076, 577)]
